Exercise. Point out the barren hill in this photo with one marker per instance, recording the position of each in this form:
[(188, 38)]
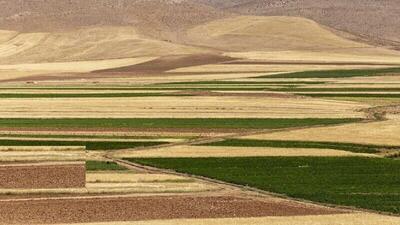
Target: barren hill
[(42, 31), (158, 18), (371, 20)]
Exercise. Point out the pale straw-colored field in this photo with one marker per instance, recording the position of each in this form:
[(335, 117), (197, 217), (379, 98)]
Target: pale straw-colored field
[(180, 107), (378, 133), (218, 151)]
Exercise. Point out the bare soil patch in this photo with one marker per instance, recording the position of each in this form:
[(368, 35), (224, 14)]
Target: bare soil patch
[(79, 210), (167, 63), (63, 175)]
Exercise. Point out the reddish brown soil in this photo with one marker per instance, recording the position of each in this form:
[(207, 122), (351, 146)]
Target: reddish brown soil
[(31, 176), (146, 208)]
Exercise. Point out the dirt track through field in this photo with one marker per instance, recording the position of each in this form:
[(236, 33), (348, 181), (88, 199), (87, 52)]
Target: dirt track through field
[(147, 208)]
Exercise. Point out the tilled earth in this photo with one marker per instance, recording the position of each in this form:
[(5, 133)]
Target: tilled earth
[(102, 209)]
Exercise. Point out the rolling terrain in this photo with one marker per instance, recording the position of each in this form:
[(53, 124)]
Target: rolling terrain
[(202, 112), (367, 20)]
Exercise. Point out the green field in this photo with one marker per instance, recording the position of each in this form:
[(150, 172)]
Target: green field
[(335, 73), (370, 183), (357, 148), (102, 165), (90, 145), (134, 123)]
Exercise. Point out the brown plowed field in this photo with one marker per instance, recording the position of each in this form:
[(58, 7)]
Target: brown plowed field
[(63, 175), (147, 208)]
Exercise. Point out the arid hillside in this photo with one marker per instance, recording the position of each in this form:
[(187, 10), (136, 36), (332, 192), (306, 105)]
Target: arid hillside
[(370, 20), (157, 18)]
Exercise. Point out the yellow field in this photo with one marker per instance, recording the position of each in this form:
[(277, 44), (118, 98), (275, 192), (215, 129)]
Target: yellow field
[(90, 43), (379, 133), (217, 151), (180, 107)]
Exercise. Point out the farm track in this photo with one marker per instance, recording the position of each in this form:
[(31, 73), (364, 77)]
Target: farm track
[(373, 114)]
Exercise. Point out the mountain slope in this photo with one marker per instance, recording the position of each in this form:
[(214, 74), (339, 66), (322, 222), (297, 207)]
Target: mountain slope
[(258, 33), (370, 20)]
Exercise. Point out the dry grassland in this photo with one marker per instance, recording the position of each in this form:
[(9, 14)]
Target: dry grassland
[(128, 177), (180, 107), (90, 43), (263, 69), (217, 151), (378, 133), (246, 33), (74, 66), (150, 188), (126, 182), (350, 55), (22, 155)]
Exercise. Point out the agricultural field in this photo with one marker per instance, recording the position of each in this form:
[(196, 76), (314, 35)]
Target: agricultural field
[(190, 112)]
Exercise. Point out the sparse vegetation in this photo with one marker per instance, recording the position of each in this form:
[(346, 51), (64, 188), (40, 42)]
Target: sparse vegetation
[(103, 165), (370, 183)]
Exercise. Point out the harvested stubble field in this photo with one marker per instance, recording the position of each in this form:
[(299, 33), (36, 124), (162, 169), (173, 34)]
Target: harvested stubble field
[(179, 107), (373, 133), (186, 151)]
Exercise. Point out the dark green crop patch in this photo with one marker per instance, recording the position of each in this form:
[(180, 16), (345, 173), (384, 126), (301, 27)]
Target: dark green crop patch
[(90, 145), (103, 165), (335, 73), (370, 183), (180, 123)]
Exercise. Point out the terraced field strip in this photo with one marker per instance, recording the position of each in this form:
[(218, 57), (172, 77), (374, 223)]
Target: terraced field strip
[(370, 183), (137, 123), (93, 136), (92, 139), (88, 95), (243, 82), (357, 148), (181, 107), (336, 73), (190, 151), (380, 133), (352, 95), (90, 145), (345, 89)]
